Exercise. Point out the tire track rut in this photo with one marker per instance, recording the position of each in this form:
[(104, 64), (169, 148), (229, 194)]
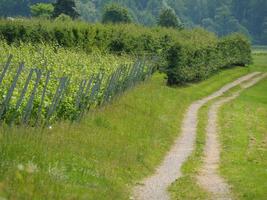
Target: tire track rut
[(209, 177), (155, 187)]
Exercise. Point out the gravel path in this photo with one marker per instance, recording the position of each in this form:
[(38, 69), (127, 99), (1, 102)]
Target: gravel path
[(155, 187), (209, 177)]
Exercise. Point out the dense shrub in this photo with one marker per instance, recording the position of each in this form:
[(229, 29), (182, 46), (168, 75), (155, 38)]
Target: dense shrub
[(188, 63), (185, 55), (168, 18), (114, 13), (63, 18), (127, 38)]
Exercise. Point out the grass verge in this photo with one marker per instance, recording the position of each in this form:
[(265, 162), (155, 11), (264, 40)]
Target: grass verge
[(107, 152), (187, 187), (244, 142)]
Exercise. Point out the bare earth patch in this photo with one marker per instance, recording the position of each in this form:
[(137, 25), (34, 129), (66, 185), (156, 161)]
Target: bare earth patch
[(155, 187)]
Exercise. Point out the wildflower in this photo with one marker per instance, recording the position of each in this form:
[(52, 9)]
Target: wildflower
[(20, 167), (31, 168)]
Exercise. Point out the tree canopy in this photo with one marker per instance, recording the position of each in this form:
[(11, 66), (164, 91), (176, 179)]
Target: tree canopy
[(220, 16), (168, 19), (115, 13), (43, 10), (66, 7)]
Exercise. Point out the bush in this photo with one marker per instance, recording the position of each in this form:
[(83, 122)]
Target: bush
[(63, 18), (127, 38), (169, 19), (185, 55), (115, 13), (66, 7), (43, 10), (190, 62)]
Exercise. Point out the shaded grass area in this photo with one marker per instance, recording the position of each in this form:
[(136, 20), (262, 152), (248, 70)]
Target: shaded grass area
[(244, 141), (187, 187), (105, 154)]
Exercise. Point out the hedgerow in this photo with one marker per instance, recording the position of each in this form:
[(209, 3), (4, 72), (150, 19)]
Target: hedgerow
[(189, 63), (118, 38), (186, 55)]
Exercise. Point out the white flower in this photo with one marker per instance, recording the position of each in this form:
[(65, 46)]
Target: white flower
[(57, 171), (20, 167), (31, 168)]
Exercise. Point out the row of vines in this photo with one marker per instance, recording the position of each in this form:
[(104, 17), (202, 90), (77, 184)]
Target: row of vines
[(41, 94), (60, 71)]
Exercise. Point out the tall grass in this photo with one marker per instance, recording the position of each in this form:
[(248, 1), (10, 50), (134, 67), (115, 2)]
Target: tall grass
[(105, 154)]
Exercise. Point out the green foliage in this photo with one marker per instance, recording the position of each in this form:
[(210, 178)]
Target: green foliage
[(245, 16), (242, 16), (66, 7), (111, 75), (191, 55), (42, 10), (63, 18), (226, 23), (114, 13), (14, 8), (191, 62), (120, 38), (104, 155), (169, 19), (243, 133), (264, 35)]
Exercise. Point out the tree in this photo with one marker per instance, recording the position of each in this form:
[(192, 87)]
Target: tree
[(209, 24), (264, 32), (63, 18), (66, 7), (43, 10), (226, 23), (115, 13), (87, 10), (168, 19)]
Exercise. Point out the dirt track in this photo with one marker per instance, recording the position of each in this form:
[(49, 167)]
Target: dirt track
[(209, 177), (155, 187)]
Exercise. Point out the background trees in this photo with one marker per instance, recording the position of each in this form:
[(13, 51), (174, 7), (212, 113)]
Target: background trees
[(168, 18), (115, 13), (220, 16), (43, 10), (66, 7)]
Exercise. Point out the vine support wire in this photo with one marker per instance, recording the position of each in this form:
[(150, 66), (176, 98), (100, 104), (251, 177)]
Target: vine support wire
[(29, 105), (11, 90), (5, 68), (95, 90), (57, 97), (22, 95), (86, 98), (39, 112)]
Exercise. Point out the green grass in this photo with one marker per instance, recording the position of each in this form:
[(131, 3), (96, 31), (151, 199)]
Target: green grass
[(260, 62), (259, 49), (244, 140), (186, 187), (104, 155)]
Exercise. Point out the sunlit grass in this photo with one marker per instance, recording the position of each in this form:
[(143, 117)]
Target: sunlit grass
[(105, 154), (187, 187), (243, 136)]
